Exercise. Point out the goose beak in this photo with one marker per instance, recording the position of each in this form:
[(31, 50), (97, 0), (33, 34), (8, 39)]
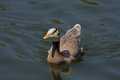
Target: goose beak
[(45, 36)]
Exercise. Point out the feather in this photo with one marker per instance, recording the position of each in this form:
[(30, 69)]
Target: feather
[(71, 40), (69, 46)]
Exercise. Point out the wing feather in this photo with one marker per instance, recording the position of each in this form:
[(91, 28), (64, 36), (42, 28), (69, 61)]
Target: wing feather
[(71, 40)]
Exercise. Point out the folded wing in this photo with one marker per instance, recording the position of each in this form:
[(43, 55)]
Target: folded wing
[(71, 40)]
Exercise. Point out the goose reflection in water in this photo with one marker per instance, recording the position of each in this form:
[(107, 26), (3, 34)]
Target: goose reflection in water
[(57, 70)]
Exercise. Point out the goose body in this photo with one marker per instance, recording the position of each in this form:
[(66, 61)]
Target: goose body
[(68, 47)]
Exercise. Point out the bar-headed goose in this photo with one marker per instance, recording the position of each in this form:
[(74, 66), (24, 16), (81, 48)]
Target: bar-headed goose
[(65, 48)]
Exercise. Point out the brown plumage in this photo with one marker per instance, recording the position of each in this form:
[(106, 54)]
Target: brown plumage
[(68, 48)]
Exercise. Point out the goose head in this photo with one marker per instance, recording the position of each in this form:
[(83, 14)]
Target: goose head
[(52, 33)]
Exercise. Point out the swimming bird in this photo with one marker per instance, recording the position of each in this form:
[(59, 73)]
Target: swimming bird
[(65, 48)]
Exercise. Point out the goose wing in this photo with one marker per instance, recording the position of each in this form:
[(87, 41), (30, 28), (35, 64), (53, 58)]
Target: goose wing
[(71, 40)]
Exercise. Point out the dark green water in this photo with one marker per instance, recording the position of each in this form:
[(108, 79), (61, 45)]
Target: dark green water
[(23, 53)]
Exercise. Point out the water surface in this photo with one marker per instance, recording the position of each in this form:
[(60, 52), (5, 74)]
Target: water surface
[(23, 52)]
